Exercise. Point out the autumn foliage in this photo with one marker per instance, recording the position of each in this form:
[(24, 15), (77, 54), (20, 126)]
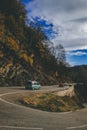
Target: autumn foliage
[(25, 46)]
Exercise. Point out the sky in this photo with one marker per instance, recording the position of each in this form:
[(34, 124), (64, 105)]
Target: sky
[(64, 22)]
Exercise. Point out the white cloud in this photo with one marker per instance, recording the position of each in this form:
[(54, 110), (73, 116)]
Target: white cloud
[(77, 53), (69, 17)]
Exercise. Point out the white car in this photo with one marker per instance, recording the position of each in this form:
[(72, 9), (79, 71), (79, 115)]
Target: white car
[(32, 85)]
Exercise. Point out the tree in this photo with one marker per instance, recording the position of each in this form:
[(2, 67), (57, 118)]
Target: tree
[(15, 16), (60, 54), (34, 38), (12, 7)]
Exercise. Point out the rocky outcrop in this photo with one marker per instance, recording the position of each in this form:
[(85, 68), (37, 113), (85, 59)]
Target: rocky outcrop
[(78, 91), (68, 92)]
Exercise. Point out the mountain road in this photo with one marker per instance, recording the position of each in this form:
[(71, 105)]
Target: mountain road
[(17, 117)]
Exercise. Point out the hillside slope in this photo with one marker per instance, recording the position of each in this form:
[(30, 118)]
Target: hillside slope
[(22, 52)]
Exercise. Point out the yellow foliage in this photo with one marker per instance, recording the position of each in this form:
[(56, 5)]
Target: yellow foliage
[(5, 68), (30, 60), (2, 32), (9, 65), (56, 74), (51, 102), (1, 54), (51, 78), (41, 48), (27, 58), (12, 43)]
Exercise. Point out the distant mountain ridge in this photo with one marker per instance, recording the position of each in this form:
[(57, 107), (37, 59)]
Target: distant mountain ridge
[(79, 73)]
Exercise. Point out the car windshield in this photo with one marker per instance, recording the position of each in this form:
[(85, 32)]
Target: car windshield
[(36, 83)]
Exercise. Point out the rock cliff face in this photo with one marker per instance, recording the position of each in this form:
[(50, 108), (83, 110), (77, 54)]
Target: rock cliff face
[(70, 92), (78, 91)]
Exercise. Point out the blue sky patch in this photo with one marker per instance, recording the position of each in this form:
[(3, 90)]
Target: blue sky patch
[(77, 57), (47, 27), (63, 21), (27, 1)]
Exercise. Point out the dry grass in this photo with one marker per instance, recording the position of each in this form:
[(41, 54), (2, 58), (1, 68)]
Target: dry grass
[(52, 102), (45, 101)]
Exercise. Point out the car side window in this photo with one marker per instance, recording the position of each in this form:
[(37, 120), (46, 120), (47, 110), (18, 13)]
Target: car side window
[(29, 83)]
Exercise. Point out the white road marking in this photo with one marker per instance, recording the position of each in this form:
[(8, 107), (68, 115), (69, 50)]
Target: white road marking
[(13, 104), (76, 127), (9, 93), (10, 103), (24, 128), (20, 106)]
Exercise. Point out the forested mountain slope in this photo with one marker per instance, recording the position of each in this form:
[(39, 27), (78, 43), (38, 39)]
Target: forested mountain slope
[(79, 74), (24, 53)]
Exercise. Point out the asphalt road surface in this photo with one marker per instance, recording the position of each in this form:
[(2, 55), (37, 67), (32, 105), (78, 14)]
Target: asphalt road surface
[(16, 117)]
